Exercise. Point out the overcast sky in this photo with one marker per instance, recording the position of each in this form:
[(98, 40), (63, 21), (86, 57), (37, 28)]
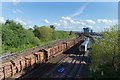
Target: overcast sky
[(64, 15)]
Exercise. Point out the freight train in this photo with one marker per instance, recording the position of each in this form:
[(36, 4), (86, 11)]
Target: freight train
[(21, 63)]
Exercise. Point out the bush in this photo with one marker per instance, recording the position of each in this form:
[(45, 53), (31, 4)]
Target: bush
[(15, 38), (105, 54)]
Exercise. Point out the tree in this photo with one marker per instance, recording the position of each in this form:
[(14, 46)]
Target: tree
[(35, 27), (52, 26), (36, 41), (105, 52), (14, 36), (8, 37), (43, 33), (30, 29)]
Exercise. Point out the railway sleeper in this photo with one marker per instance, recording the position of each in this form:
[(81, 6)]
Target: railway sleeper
[(68, 67)]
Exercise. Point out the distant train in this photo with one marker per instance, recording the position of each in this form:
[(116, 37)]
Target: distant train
[(84, 46)]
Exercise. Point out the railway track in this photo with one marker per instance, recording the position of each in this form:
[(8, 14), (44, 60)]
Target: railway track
[(36, 63), (28, 51), (70, 62), (43, 68)]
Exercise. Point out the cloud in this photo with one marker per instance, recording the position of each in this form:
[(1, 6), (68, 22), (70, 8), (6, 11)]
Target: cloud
[(66, 18), (69, 24), (90, 27), (115, 21), (23, 22), (69, 28), (80, 11), (63, 21), (104, 21), (30, 27), (19, 20), (57, 24), (17, 11), (90, 21), (80, 23), (13, 10), (46, 21), (77, 22), (60, 20), (83, 23), (72, 21), (2, 20)]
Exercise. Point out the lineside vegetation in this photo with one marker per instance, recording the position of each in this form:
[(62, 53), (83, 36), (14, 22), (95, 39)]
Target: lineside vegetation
[(105, 55), (15, 38)]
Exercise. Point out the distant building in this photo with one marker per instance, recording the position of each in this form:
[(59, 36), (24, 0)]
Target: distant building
[(86, 30), (91, 30)]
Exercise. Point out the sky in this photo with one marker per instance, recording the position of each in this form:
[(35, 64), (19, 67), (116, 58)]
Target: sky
[(65, 16)]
